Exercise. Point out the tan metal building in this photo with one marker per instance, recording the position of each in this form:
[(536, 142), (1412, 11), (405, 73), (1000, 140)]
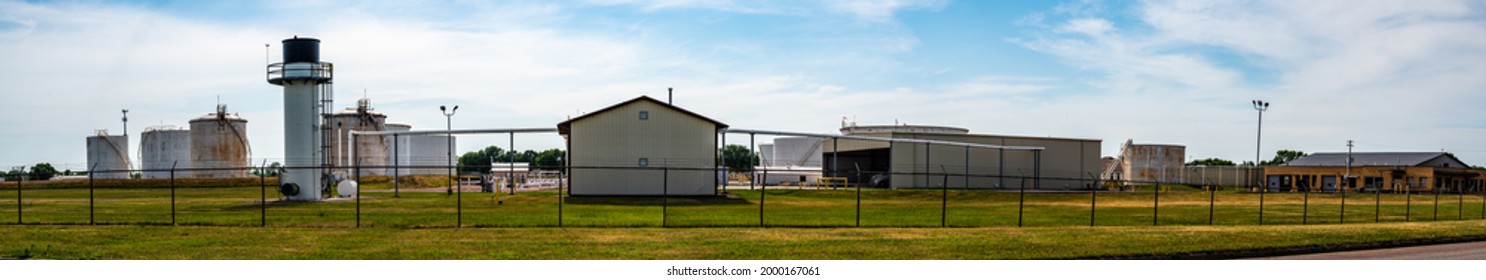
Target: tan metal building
[(622, 150), (1066, 163), (1392, 172)]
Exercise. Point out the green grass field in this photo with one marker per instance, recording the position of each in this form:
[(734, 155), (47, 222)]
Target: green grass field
[(221, 219)]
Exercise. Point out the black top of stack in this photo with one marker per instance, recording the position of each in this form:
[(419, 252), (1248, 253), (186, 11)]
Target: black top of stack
[(301, 50)]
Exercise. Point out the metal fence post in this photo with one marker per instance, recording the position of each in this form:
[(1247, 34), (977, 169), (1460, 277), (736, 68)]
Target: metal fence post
[(1377, 205), (357, 162), (761, 194), (90, 194), (1156, 205), (665, 192), (944, 198), (1212, 198), (1460, 203), (263, 194), (172, 192), (1093, 198), (1343, 219), (859, 195), (19, 217), (1408, 204), (1305, 204), (1436, 190), (1021, 203), (396, 167)]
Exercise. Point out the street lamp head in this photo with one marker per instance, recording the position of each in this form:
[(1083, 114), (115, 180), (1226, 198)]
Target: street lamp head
[(456, 108), (441, 108)]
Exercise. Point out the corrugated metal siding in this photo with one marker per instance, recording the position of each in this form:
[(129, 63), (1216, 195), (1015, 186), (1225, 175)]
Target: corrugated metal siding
[(618, 139), (1065, 162)]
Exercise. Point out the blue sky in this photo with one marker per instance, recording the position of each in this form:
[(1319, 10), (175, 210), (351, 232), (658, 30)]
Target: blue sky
[(1392, 75)]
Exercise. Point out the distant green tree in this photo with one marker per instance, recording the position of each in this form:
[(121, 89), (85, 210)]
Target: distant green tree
[(1212, 162), (43, 171), (480, 161), (739, 158), (271, 170), (550, 159), (1284, 156)]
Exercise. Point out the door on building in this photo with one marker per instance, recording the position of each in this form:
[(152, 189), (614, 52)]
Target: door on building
[(1328, 183)]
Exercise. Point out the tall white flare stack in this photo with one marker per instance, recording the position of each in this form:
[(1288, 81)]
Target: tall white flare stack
[(307, 87)]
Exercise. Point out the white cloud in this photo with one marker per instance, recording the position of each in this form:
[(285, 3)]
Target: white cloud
[(1385, 71), (876, 11)]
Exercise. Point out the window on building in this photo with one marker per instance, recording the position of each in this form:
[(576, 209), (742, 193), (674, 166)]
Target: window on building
[(644, 162), (644, 115)]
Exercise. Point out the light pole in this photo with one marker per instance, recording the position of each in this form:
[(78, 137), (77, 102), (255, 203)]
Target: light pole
[(449, 125), (1261, 106)]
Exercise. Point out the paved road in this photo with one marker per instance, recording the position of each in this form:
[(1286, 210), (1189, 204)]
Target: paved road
[(1457, 251)]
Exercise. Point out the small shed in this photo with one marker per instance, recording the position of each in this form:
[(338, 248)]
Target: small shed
[(642, 147)]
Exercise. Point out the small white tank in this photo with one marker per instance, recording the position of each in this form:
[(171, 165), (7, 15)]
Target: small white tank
[(108, 155), (346, 188)]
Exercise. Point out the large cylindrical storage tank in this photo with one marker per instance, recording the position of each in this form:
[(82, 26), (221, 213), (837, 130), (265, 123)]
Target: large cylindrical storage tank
[(162, 148), (219, 141), (397, 148), (108, 156), (431, 152), (369, 151), (1147, 163)]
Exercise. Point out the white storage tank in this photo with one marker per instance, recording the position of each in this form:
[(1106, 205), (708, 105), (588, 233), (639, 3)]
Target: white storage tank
[(1152, 162), (400, 144), (108, 155), (219, 140), (161, 147), (431, 152), (370, 150)]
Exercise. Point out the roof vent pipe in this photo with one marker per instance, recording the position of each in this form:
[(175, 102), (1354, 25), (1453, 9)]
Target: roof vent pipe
[(668, 97)]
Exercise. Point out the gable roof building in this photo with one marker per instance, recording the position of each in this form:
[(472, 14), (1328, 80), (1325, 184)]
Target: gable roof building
[(642, 147), (1376, 171)]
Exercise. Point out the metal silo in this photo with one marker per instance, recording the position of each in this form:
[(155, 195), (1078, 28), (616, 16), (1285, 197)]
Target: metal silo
[(397, 149), (219, 140), (163, 147), (369, 150), (108, 155), (430, 152), (1153, 162)]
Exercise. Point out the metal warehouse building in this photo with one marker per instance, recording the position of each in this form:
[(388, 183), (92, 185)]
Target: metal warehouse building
[(1066, 163), (620, 150)]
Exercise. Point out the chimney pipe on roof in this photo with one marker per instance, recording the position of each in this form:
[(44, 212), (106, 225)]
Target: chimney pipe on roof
[(668, 96)]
